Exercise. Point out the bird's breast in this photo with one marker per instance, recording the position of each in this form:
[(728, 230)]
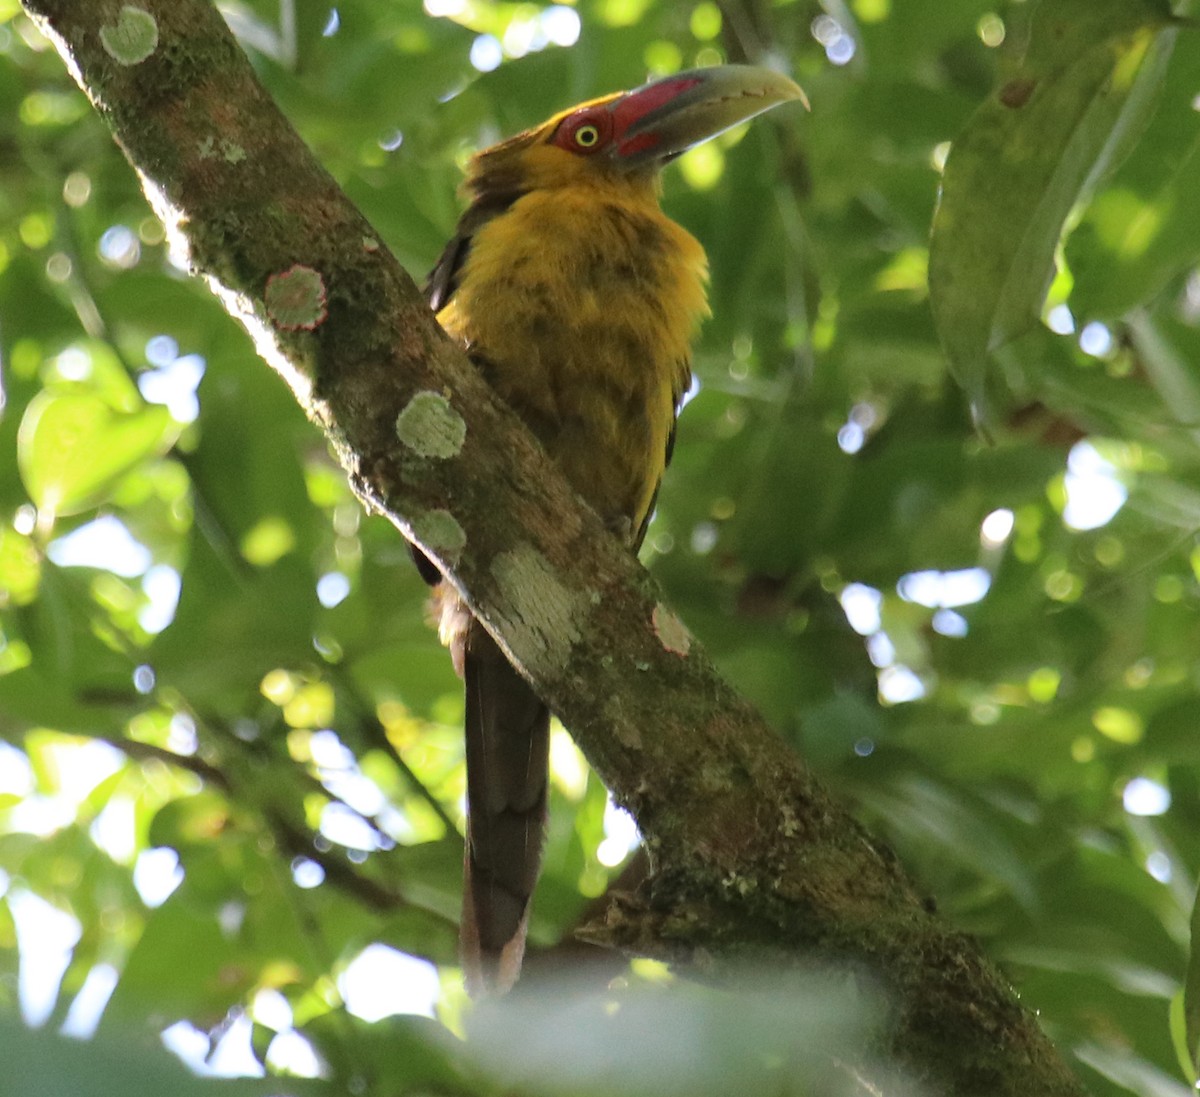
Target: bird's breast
[(580, 309)]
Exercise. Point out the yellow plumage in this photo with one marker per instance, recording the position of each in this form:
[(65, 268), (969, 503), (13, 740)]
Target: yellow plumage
[(581, 302), (577, 299)]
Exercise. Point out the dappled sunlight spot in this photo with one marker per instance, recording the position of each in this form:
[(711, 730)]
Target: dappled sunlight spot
[(839, 46), (1145, 797), (114, 830), (948, 623), (1094, 493), (144, 678), (908, 271), (704, 538), (230, 1056), (1060, 321), (1158, 865), (173, 385), (270, 1008), (561, 25), (381, 982), (705, 21), (104, 543), (880, 650), (73, 364), (291, 1053), (332, 588), (278, 686), (852, 435), (119, 247), (162, 586), (46, 937), (59, 268), (1083, 749), (1043, 684), (306, 873), (702, 166), (661, 58), (524, 31), (944, 589), (344, 826), (991, 30), (65, 774), (312, 705), (621, 13), (270, 539), (77, 189), (486, 53), (16, 774), (156, 874), (996, 528), (899, 684), (1121, 725), (87, 1007), (984, 712), (1095, 339), (621, 835), (862, 605), (568, 768)]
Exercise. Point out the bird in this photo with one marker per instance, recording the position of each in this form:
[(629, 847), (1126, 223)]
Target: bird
[(577, 299)]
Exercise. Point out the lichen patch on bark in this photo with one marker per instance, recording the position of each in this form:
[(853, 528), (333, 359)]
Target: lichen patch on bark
[(431, 427), (543, 624), (440, 532), (132, 38), (295, 298)]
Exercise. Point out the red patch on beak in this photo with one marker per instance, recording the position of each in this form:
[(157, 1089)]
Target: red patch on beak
[(638, 104)]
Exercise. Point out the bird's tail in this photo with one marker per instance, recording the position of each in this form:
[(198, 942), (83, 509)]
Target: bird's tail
[(508, 744)]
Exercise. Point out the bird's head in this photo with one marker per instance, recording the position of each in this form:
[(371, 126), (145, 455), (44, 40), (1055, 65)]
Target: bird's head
[(632, 134)]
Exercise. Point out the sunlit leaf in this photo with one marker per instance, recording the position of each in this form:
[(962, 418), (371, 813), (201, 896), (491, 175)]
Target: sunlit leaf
[(74, 446)]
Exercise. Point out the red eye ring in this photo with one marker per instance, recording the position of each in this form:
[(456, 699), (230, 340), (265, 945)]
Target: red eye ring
[(585, 132)]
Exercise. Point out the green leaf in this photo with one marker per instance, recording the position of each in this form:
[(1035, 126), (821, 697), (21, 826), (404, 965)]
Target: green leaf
[(1144, 227), (1058, 119), (1179, 1037), (1191, 991), (72, 447)]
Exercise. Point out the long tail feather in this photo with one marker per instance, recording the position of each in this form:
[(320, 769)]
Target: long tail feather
[(508, 741)]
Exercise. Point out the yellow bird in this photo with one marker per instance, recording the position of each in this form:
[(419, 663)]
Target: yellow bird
[(577, 298)]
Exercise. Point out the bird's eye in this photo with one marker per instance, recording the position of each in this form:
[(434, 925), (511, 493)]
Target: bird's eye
[(587, 136)]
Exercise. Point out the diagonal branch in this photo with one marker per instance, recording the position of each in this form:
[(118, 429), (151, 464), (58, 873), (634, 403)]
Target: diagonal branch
[(752, 857)]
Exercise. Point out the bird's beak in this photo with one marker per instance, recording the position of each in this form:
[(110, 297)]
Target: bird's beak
[(655, 123)]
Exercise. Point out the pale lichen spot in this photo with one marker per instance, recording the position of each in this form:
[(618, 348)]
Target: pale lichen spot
[(542, 616), (671, 631), (370, 244), (430, 426), (439, 531), (295, 298), (132, 38), (231, 152)]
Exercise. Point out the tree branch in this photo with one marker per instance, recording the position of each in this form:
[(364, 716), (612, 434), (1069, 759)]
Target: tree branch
[(753, 859)]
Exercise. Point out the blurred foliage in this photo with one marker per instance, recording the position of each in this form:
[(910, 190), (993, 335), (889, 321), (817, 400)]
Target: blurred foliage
[(214, 667)]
